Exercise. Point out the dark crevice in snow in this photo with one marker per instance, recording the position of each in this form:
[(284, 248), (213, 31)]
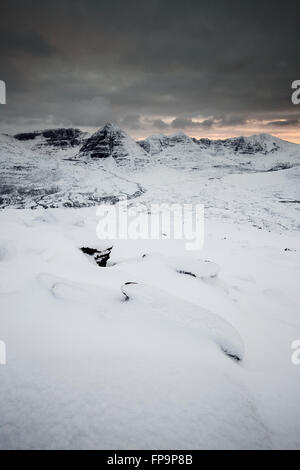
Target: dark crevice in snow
[(123, 289), (290, 202), (187, 273), (231, 355)]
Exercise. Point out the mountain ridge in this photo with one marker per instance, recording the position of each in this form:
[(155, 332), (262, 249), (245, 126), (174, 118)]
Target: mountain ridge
[(70, 132), (252, 178)]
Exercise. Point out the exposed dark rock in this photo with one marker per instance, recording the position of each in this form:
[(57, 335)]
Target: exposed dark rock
[(55, 137), (111, 141), (282, 166), (290, 202), (101, 257), (102, 143), (157, 143), (241, 145), (187, 273), (27, 136), (232, 356), (262, 144)]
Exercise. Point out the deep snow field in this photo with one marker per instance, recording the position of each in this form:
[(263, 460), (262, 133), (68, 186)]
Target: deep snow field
[(88, 369), (173, 350)]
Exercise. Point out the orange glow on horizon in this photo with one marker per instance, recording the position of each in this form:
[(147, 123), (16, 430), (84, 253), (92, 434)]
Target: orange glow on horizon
[(292, 135)]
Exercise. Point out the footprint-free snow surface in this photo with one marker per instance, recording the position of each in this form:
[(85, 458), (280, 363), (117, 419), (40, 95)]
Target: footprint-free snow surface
[(148, 345)]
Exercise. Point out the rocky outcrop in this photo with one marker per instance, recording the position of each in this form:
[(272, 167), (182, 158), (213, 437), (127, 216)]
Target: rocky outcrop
[(55, 137), (263, 144), (103, 143), (111, 141), (101, 257), (157, 143)]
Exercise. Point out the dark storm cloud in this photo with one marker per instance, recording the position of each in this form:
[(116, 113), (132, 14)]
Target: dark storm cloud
[(131, 121), (159, 124), (200, 63), (184, 123), (223, 121), (27, 42), (284, 123)]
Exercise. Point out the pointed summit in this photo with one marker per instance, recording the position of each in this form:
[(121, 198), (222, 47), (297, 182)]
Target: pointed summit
[(111, 141), (110, 127)]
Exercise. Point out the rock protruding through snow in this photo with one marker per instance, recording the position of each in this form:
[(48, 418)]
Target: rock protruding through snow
[(54, 137), (101, 257)]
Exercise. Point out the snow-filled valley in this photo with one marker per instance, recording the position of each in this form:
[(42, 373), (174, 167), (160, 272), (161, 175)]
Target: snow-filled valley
[(161, 348)]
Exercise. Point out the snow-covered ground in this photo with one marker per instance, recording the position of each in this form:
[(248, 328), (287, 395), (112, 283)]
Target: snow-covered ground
[(270, 200), (87, 369), (140, 354)]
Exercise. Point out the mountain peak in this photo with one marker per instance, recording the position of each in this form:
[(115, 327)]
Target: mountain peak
[(112, 141), (111, 128), (158, 142), (179, 134)]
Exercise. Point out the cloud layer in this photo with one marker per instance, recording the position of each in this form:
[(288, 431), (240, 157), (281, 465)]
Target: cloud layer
[(206, 67)]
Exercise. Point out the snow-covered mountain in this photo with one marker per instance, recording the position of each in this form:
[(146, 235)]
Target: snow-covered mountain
[(254, 179), (113, 344), (261, 152), (54, 137), (46, 169), (260, 143), (159, 142), (111, 141), (263, 144)]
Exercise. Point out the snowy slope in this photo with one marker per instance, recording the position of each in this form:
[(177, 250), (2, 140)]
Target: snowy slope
[(159, 142), (269, 200), (36, 172), (252, 180), (163, 348), (244, 154), (66, 168), (89, 369)]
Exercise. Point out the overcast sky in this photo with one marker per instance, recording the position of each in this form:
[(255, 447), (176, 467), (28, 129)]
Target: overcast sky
[(210, 68)]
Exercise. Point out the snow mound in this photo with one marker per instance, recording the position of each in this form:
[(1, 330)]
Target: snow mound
[(197, 268), (206, 324), (87, 369)]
